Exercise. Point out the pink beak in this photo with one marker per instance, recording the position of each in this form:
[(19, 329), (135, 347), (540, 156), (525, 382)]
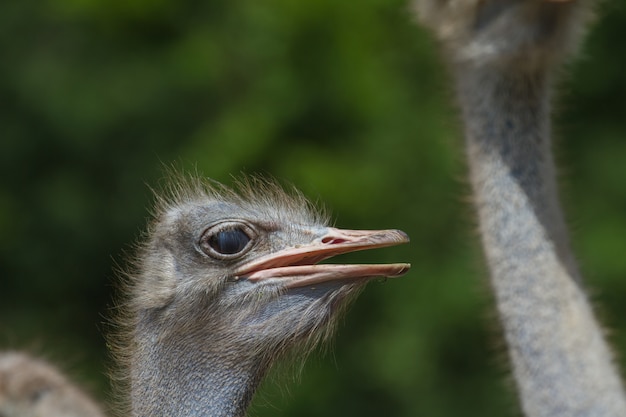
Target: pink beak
[(298, 266)]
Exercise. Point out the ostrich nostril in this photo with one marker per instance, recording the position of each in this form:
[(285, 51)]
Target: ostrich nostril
[(333, 241)]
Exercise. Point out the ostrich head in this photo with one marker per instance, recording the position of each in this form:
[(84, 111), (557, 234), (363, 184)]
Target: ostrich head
[(226, 283)]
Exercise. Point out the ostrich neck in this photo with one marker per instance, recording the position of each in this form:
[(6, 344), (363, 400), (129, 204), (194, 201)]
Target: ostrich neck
[(190, 378), (561, 362)]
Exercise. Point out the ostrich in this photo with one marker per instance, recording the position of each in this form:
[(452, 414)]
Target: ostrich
[(503, 57), (226, 283)]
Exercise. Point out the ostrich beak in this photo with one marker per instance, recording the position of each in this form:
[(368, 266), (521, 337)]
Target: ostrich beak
[(298, 266)]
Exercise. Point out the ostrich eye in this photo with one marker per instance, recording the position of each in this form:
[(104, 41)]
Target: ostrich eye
[(229, 242), (226, 241)]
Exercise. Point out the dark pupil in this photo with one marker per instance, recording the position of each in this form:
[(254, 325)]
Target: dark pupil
[(229, 242)]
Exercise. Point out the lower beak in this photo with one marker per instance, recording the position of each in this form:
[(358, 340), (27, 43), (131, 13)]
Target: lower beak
[(297, 267)]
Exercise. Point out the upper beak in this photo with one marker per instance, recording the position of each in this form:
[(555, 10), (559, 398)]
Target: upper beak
[(297, 266)]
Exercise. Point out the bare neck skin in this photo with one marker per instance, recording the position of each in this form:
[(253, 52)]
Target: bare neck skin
[(192, 382), (192, 361)]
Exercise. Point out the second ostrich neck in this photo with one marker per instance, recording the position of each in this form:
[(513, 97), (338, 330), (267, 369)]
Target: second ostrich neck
[(193, 376), (508, 142), (547, 320)]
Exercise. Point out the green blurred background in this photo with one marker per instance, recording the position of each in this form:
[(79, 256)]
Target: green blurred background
[(349, 101)]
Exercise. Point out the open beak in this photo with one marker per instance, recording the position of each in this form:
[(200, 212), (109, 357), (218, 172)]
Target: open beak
[(298, 266)]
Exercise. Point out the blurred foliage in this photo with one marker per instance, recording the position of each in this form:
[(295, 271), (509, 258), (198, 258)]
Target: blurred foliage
[(347, 100)]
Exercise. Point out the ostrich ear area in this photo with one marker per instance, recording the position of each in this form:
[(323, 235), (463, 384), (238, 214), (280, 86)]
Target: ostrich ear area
[(297, 266)]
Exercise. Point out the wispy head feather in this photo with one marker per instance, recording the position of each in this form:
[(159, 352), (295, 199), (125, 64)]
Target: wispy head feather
[(252, 192)]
